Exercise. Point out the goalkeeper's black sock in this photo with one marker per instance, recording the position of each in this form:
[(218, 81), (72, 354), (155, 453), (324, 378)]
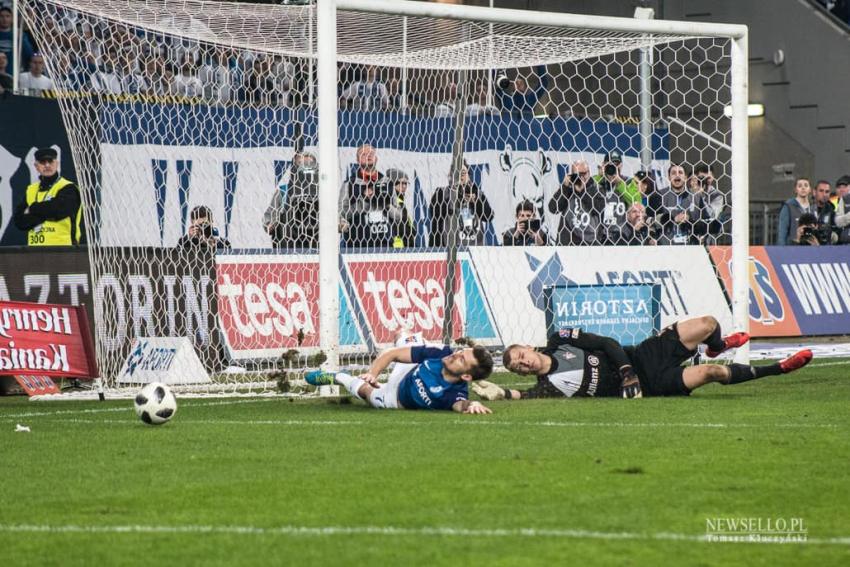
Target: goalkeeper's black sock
[(715, 341), (745, 373)]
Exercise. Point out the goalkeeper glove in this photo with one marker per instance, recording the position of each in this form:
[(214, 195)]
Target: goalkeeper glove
[(630, 387), (487, 390)]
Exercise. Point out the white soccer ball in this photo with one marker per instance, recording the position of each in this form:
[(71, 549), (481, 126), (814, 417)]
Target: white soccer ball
[(155, 404)]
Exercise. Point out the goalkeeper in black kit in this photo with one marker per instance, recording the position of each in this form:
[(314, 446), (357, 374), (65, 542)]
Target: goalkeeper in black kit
[(579, 364)]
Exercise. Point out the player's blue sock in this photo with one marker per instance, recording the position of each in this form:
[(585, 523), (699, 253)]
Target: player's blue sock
[(351, 383)]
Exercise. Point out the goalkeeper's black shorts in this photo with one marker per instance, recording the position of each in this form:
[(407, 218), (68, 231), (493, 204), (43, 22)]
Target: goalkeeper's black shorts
[(658, 363)]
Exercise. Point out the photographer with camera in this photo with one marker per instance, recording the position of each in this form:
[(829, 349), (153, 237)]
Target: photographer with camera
[(611, 179), (638, 230), (808, 231), (403, 229), (517, 97), (527, 231), (824, 210), (202, 232), (714, 202), (474, 211), (292, 217), (580, 205)]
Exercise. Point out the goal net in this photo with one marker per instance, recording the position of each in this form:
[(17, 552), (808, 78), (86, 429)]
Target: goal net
[(496, 179)]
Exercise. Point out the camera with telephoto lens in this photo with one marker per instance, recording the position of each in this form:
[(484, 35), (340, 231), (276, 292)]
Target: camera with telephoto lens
[(207, 230), (819, 232), (610, 169)]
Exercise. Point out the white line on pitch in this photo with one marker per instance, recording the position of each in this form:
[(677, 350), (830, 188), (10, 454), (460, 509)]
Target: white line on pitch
[(440, 423), (400, 531), (128, 407)]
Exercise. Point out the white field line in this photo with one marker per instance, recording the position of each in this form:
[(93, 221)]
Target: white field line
[(467, 421), (820, 364), (129, 408), (439, 531)]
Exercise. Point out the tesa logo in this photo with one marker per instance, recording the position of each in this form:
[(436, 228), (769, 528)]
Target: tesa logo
[(264, 305), (398, 295)]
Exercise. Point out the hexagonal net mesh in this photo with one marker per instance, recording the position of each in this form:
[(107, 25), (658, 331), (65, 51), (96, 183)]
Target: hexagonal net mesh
[(194, 128)]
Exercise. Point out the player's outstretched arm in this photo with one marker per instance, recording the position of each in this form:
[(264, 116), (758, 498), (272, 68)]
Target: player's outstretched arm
[(465, 406), (398, 354)]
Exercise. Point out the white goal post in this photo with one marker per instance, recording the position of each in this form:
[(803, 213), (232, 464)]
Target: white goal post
[(327, 42), (259, 119)]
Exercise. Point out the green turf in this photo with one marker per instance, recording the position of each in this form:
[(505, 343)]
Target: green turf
[(775, 448)]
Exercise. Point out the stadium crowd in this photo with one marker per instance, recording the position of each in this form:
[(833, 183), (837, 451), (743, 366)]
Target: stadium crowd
[(605, 207)]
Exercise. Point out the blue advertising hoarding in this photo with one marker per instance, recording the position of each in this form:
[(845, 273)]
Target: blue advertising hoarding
[(628, 313)]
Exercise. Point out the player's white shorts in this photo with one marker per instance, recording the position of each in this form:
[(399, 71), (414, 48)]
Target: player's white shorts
[(386, 397)]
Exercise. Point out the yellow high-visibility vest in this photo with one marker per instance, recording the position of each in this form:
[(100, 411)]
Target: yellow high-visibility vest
[(63, 232)]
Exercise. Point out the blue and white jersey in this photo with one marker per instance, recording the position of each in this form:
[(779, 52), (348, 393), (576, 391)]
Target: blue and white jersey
[(424, 387)]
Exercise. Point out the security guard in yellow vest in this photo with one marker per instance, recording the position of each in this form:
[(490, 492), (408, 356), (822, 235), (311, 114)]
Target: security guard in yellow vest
[(52, 210)]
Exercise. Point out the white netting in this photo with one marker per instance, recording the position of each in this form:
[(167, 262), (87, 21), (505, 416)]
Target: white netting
[(176, 106)]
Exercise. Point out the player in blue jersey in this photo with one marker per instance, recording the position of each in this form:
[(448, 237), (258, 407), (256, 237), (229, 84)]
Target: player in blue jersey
[(424, 377)]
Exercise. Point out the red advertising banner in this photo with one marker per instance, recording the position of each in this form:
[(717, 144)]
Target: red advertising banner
[(263, 304), (37, 385), (401, 294), (45, 339)]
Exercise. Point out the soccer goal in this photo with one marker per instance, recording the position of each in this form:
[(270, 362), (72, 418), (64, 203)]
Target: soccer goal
[(277, 181)]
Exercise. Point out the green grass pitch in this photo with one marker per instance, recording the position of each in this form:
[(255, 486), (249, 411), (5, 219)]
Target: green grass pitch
[(567, 482)]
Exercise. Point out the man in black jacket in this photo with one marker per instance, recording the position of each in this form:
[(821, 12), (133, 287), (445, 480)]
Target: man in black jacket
[(579, 364), (473, 211)]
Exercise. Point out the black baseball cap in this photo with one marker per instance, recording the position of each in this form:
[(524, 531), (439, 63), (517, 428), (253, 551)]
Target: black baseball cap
[(843, 180), (45, 154), (614, 156)]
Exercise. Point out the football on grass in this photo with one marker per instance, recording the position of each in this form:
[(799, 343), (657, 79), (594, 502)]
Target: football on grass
[(155, 404)]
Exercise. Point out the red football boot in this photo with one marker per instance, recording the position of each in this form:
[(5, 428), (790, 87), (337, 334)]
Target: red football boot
[(732, 341), (796, 361)]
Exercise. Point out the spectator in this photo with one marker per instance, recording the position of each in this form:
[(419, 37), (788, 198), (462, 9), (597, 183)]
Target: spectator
[(611, 176), (292, 218), (789, 214), (842, 208), (367, 94), (216, 76), (202, 232), (186, 83), (824, 210), (650, 198), (474, 211), (479, 106), (403, 229), (714, 201), (6, 42), (806, 233), (6, 81), (516, 97), (842, 188), (258, 84), (446, 108), (52, 210), (580, 205), (683, 215), (366, 175), (368, 218), (106, 80), (527, 231), (34, 81), (282, 72), (638, 229)]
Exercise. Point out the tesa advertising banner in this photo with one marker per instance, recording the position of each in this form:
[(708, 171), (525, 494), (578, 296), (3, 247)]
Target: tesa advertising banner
[(264, 301), (403, 292), (46, 340)]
